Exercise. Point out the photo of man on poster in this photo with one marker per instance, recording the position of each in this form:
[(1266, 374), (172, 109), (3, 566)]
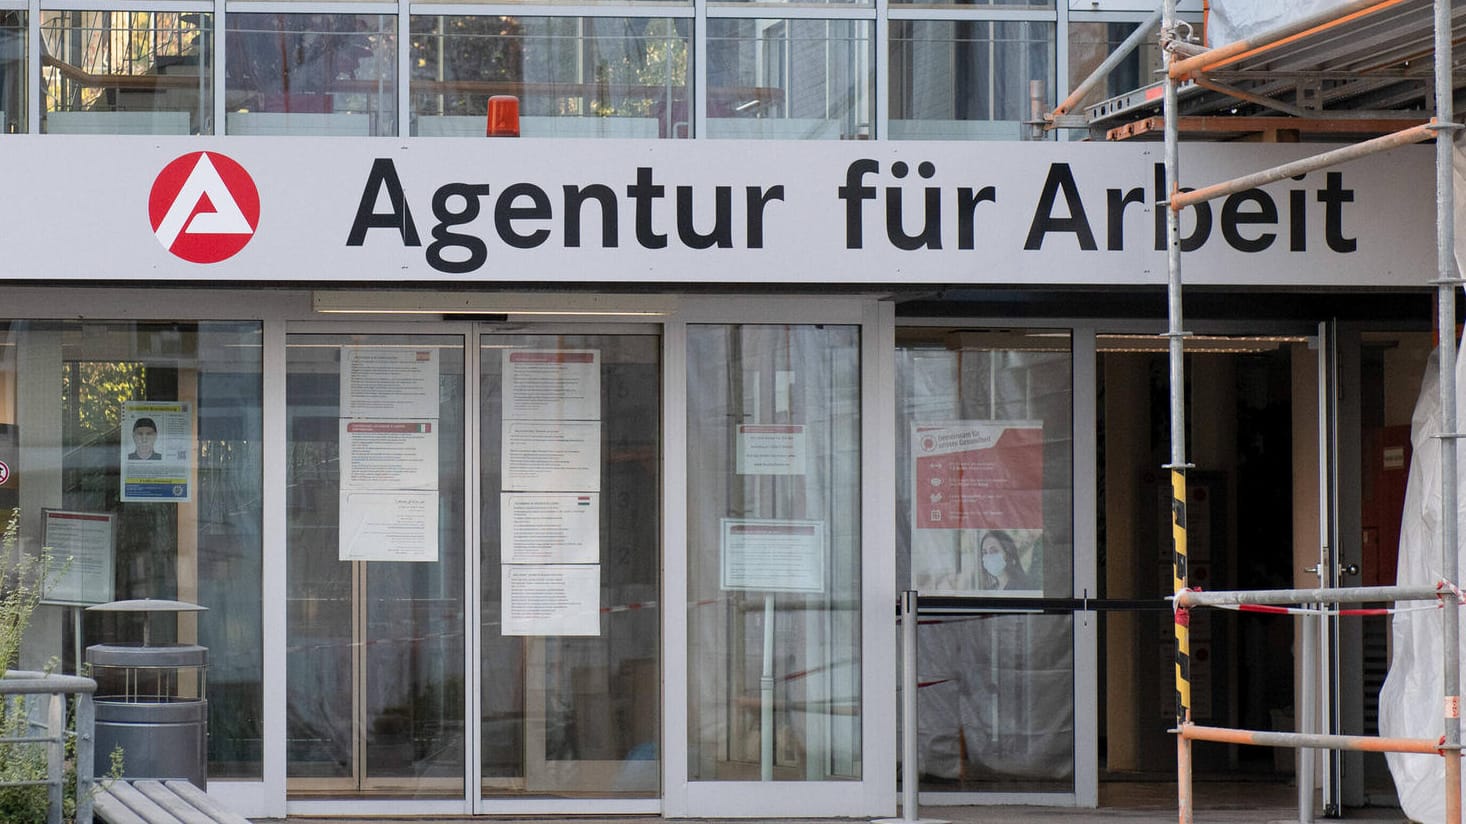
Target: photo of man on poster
[(144, 441)]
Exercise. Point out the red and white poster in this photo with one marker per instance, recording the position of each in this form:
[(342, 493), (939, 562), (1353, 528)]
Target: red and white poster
[(977, 507)]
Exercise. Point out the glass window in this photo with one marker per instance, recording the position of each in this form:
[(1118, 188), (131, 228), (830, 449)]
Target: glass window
[(1034, 5), (303, 74), (75, 403), (985, 509), (967, 79), (127, 72), (574, 76), (774, 544), (790, 78), (12, 72), (375, 553)]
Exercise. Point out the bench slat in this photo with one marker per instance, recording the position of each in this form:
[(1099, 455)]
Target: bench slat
[(144, 807), (199, 799), (177, 806), (110, 808)]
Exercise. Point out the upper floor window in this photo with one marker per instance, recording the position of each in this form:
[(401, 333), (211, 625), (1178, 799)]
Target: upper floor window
[(127, 72), (574, 76), (790, 78), (326, 74), (965, 79), (12, 72)]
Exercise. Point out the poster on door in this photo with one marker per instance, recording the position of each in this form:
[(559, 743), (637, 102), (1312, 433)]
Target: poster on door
[(766, 555), (552, 384), (551, 599), (389, 526), (549, 528), (977, 508), (771, 449), (387, 454), (389, 382), (157, 451)]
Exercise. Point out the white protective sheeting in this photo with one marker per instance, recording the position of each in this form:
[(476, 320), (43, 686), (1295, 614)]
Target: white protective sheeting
[(1410, 702), (1232, 20)]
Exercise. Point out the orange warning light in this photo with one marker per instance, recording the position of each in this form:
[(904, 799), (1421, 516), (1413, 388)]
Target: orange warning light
[(503, 116)]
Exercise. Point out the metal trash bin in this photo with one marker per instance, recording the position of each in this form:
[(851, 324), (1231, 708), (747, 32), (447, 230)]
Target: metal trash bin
[(150, 701)]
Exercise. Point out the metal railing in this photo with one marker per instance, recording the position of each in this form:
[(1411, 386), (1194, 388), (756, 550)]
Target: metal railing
[(56, 689)]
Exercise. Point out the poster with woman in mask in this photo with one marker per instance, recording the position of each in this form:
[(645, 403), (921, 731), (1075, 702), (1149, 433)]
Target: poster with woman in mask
[(977, 501)]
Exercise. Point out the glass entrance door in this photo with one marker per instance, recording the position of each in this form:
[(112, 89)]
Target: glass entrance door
[(561, 606), (375, 547), (569, 457)]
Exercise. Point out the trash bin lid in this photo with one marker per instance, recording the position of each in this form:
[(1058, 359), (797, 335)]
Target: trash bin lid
[(146, 605)]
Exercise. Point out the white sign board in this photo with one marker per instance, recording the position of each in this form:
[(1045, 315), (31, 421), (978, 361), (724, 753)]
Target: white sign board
[(81, 546), (352, 210)]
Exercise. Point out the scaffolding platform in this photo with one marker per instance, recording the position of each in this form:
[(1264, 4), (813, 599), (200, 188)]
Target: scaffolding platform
[(1365, 72)]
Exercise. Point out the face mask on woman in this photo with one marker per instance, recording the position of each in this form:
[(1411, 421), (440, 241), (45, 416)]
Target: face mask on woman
[(994, 563)]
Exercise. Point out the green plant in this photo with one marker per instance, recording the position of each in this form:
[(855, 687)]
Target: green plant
[(22, 579)]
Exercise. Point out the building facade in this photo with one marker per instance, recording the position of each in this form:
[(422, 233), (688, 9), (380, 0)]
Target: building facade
[(562, 475)]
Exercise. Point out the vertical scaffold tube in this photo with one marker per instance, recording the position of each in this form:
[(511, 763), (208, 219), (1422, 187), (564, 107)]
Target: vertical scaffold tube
[(1446, 285), (1178, 419)]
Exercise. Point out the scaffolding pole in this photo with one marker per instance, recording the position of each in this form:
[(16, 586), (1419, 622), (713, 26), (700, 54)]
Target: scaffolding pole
[(1446, 300), (1177, 465), (1182, 66)]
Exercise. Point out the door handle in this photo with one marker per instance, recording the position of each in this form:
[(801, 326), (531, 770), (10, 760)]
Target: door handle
[(1344, 569)]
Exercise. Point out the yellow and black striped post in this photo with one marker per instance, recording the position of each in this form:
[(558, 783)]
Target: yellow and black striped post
[(1183, 616)]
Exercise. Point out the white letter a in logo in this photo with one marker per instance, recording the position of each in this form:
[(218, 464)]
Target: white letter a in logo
[(225, 218)]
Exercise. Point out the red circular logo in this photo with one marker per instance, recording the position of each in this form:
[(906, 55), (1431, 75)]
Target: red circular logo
[(4, 472), (204, 207)]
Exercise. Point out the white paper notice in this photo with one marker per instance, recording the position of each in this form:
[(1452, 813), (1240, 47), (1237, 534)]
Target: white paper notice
[(549, 529), (551, 599), (389, 526), (381, 454), (562, 385), (771, 449), (381, 382), (81, 547), (773, 556), (552, 456)]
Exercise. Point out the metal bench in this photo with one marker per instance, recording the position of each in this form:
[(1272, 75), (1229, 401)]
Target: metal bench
[(150, 801)]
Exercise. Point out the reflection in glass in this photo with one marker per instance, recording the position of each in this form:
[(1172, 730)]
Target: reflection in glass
[(967, 79), (773, 432), (990, 415), (63, 390), (127, 72), (1091, 43), (574, 76), (333, 74), (790, 78), (374, 662), (12, 72), (578, 714)]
